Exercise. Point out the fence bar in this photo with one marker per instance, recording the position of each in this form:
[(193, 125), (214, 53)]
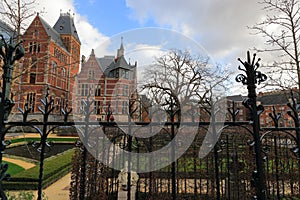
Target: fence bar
[(9, 54), (252, 78)]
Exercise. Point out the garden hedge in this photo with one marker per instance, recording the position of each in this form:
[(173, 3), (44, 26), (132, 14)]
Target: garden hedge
[(54, 168)]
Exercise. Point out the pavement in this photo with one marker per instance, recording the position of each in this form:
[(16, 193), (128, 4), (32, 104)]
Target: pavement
[(60, 189), (24, 164), (57, 191)]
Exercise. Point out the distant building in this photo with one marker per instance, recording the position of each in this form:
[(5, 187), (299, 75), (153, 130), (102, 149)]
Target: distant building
[(276, 100), (111, 81), (235, 103), (52, 59)]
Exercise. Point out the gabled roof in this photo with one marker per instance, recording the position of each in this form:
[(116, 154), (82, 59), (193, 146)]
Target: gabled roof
[(52, 33), (105, 61), (65, 25)]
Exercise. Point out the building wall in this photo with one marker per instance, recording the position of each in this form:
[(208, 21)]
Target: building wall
[(45, 64), (108, 93)]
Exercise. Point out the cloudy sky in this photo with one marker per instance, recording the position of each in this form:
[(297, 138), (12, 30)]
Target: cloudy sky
[(219, 26)]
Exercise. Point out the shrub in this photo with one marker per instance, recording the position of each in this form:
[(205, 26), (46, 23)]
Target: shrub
[(54, 168), (24, 195)]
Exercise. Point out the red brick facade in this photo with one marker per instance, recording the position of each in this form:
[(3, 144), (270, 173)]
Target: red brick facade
[(111, 83), (51, 60)]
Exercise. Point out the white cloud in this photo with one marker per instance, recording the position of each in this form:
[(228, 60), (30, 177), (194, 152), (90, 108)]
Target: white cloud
[(144, 54), (220, 26)]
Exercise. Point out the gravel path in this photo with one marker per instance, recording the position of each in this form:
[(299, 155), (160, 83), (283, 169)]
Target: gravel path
[(60, 189), (24, 164)]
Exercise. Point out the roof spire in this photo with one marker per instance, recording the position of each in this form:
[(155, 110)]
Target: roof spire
[(92, 53), (121, 46), (121, 49)]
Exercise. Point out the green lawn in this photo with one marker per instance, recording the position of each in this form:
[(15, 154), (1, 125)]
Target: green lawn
[(54, 168), (13, 168)]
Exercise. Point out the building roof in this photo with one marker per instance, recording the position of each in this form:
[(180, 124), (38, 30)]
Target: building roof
[(110, 63), (52, 33), (105, 61), (268, 98), (236, 98), (281, 98), (65, 25), (7, 31), (118, 63)]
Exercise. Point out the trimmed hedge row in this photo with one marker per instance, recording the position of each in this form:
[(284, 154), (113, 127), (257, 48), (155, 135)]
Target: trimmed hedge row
[(60, 139), (54, 168)]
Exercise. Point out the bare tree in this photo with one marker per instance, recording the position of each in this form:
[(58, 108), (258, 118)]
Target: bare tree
[(16, 13), (281, 30), (182, 78)]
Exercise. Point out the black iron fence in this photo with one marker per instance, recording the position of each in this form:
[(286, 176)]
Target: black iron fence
[(227, 174), (247, 162)]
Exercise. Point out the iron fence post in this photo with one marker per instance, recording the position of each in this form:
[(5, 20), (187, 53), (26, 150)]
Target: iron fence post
[(48, 108), (9, 53), (173, 111), (253, 77), (294, 113), (216, 148), (87, 105)]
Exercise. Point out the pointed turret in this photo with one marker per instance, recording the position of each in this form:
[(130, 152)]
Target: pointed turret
[(92, 53), (121, 49), (65, 25)]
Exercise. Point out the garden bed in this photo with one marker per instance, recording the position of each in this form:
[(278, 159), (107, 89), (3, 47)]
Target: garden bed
[(28, 151), (55, 167)]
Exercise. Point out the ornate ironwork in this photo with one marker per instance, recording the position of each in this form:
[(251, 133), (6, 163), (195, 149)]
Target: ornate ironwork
[(253, 77), (86, 110), (275, 117), (233, 111), (9, 53), (294, 113), (229, 160)]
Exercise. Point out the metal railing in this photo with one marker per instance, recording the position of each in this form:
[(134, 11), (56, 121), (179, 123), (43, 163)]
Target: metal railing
[(248, 162)]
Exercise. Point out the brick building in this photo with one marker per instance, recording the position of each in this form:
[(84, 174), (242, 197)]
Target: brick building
[(52, 57), (111, 81), (235, 103), (276, 100), (271, 101)]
